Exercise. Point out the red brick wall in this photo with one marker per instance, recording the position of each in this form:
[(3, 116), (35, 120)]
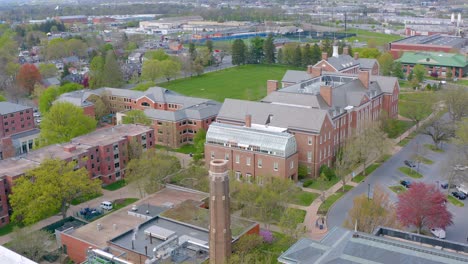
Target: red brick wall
[(16, 122), (76, 249), (375, 69), (396, 48), (4, 217), (89, 111), (325, 66)]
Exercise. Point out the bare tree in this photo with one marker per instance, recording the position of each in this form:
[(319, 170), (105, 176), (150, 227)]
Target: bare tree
[(438, 129), (456, 100), (31, 244), (417, 110)]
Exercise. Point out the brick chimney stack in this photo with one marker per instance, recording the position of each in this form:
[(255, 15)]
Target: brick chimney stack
[(220, 216), (248, 120), (326, 93), (356, 55), (365, 78), (324, 56), (346, 50), (272, 85)]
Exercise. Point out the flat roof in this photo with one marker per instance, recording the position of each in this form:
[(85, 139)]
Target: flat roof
[(125, 222), (9, 256), (16, 166), (8, 108), (437, 40), (109, 135), (56, 151)]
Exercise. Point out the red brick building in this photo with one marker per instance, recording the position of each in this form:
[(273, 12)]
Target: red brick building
[(104, 153), (17, 129), (176, 118), (321, 112), (436, 43)]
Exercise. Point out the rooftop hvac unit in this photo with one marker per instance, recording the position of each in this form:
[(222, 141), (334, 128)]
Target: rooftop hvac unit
[(159, 232)]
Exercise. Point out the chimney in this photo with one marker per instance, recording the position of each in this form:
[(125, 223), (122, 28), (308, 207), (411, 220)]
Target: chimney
[(356, 55), (310, 69), (248, 120), (316, 72), (272, 85), (364, 78), (346, 50), (335, 51), (69, 148), (220, 226), (324, 56), (326, 93)]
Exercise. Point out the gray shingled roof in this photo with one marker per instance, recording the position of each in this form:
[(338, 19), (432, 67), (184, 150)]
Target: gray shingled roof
[(340, 246), (290, 117), (365, 63), (196, 112), (8, 108), (385, 83), (295, 76), (342, 62), (289, 98)]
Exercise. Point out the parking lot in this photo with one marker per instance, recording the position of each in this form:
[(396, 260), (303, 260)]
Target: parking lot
[(388, 175)]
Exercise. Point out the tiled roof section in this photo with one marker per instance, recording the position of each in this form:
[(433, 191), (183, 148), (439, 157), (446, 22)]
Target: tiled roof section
[(8, 108), (342, 62), (345, 246), (434, 58), (291, 117), (196, 112), (292, 76), (365, 63)]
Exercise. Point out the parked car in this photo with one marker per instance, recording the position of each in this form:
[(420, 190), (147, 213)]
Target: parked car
[(405, 183), (459, 195), (447, 186), (463, 189), (106, 205), (438, 232), (37, 114), (410, 163)]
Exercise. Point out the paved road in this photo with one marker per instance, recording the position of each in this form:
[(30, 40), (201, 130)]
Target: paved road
[(388, 175)]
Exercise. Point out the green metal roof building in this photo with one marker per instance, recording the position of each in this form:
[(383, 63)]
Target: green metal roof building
[(439, 62)]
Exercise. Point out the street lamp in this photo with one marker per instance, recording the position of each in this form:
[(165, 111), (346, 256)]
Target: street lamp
[(368, 191)]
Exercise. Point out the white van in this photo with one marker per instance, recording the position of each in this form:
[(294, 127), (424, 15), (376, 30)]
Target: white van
[(106, 205)]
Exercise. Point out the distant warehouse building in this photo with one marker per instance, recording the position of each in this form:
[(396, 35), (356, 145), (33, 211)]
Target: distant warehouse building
[(434, 43), (436, 63)]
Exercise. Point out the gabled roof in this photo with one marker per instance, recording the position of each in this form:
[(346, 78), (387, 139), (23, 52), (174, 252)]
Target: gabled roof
[(292, 76), (342, 62), (386, 83), (434, 58), (365, 63), (291, 117)]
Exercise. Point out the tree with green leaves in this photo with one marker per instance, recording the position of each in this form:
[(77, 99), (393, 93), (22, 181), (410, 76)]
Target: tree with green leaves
[(158, 54), (111, 74), (448, 73), (239, 51), (96, 71), (456, 100), (101, 107), (398, 70), (136, 117), (47, 70), (151, 70), (316, 55), (291, 223), (386, 63), (49, 188), (327, 46), (417, 109), (256, 51), (306, 55), (280, 56), (32, 244), (209, 47), (63, 122), (269, 49), (419, 72), (297, 56), (49, 95), (56, 49), (170, 69), (149, 172), (192, 51), (2, 98), (76, 47), (199, 143)]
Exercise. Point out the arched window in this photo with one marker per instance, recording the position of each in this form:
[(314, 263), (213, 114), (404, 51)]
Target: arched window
[(145, 104)]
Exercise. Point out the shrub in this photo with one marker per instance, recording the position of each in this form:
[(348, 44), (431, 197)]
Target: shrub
[(308, 183), (302, 171), (329, 172), (267, 236)]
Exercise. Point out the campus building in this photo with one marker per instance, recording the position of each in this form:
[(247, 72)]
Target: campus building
[(437, 64), (104, 153), (433, 43), (385, 245), (176, 118), (17, 129), (319, 110)]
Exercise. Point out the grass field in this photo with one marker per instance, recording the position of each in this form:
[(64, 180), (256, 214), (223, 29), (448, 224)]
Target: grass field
[(406, 140), (433, 148), (425, 160), (368, 171), (397, 189), (455, 201), (115, 185), (410, 172), (85, 198), (380, 38), (186, 149), (118, 204), (316, 184), (246, 82), (303, 198), (7, 228), (409, 99), (325, 206)]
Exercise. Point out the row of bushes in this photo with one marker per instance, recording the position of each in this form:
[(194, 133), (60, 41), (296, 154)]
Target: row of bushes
[(328, 173)]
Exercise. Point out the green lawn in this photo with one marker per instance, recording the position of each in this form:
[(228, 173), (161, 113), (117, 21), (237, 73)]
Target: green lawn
[(303, 198), (186, 149), (244, 82), (121, 203), (395, 128), (368, 171), (380, 38), (279, 245), (410, 172), (316, 184), (397, 189), (434, 148), (407, 100), (7, 229), (115, 185), (86, 198), (425, 160), (455, 201), (325, 206), (406, 140)]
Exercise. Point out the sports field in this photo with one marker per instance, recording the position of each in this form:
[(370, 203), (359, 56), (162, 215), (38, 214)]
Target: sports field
[(244, 82), (379, 38)]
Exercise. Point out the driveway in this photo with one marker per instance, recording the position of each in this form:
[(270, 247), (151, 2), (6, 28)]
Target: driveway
[(388, 175)]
